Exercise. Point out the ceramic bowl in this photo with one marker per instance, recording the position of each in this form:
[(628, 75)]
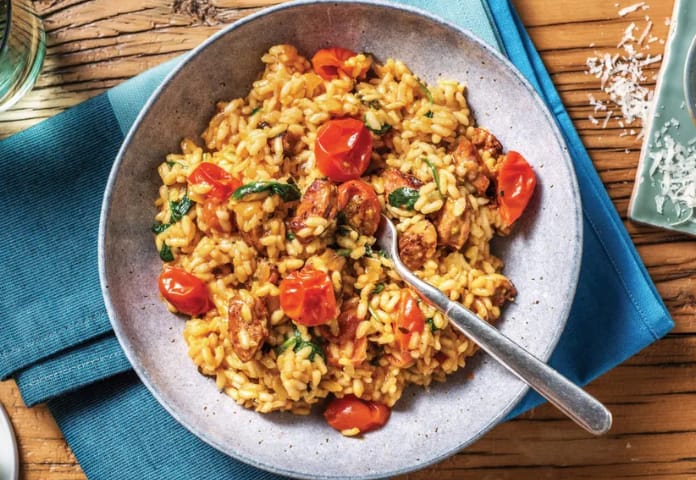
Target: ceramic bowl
[(542, 256), (690, 79)]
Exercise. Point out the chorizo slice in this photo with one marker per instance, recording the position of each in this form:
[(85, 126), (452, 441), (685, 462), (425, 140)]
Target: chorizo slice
[(393, 178), (247, 325), (486, 141), (452, 229), (319, 200), (417, 244), (344, 344), (504, 291), (468, 164), (360, 206)]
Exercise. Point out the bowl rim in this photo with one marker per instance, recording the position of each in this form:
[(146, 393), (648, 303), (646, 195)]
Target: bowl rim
[(562, 313)]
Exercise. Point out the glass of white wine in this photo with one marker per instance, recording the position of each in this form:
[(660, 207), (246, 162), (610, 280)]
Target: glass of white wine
[(22, 50)]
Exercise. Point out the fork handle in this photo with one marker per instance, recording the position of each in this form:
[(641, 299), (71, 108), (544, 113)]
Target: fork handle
[(580, 406)]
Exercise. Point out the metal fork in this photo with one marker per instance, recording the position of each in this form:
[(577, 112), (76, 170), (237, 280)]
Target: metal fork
[(580, 406)]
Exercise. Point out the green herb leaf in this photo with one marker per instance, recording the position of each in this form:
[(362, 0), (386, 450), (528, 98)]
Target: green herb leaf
[(374, 104), (424, 90), (429, 114), (288, 192), (378, 288), (254, 111), (431, 323), (165, 253), (159, 227), (403, 197), (171, 163), (180, 208), (343, 252), (381, 130), (297, 343), (368, 250), (290, 236), (436, 175)]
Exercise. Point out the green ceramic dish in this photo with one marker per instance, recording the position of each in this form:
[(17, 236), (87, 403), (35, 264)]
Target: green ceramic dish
[(669, 105)]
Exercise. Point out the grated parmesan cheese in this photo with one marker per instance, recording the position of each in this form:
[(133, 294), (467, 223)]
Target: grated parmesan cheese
[(632, 8), (673, 171), (622, 76)]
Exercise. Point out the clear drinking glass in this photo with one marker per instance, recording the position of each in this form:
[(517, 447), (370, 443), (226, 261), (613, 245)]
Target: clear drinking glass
[(22, 50)]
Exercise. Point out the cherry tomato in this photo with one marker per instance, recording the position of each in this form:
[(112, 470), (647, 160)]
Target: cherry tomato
[(186, 292), (352, 412), (307, 297), (409, 320), (343, 149), (329, 62), (221, 183), (360, 205), (516, 183)]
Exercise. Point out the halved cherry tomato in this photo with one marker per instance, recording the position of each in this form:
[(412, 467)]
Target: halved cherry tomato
[(307, 297), (359, 203), (409, 320), (516, 183), (350, 412), (343, 149), (188, 293), (221, 183), (328, 62)]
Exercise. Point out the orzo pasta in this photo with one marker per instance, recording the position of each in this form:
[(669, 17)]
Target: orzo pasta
[(267, 232)]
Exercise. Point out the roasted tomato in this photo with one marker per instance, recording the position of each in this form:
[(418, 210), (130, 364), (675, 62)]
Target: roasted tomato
[(350, 412), (329, 62), (307, 297), (343, 149), (516, 183), (221, 183), (358, 202), (409, 320), (186, 292)]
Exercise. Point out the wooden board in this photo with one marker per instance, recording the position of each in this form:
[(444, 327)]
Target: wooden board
[(96, 44)]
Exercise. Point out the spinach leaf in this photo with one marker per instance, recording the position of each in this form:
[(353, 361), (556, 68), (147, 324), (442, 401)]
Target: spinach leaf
[(436, 175), (159, 227), (381, 130), (288, 192), (431, 324), (180, 208), (297, 343), (403, 197), (424, 90), (165, 253)]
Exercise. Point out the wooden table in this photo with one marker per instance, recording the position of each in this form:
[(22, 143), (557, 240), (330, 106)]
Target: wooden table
[(96, 44)]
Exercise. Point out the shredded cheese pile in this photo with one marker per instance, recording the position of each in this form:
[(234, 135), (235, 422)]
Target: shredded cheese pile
[(673, 170), (622, 76)]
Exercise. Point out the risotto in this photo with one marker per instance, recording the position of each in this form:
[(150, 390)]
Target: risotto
[(266, 233)]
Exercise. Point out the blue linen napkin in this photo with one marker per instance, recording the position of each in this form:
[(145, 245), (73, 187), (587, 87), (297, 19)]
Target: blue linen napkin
[(56, 338)]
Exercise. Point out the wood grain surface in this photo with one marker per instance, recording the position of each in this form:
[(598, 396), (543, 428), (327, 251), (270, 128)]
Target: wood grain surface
[(96, 44)]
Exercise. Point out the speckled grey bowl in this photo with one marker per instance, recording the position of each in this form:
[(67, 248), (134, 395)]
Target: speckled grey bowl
[(542, 256)]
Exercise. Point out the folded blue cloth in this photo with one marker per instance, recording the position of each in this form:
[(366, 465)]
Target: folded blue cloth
[(56, 339)]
